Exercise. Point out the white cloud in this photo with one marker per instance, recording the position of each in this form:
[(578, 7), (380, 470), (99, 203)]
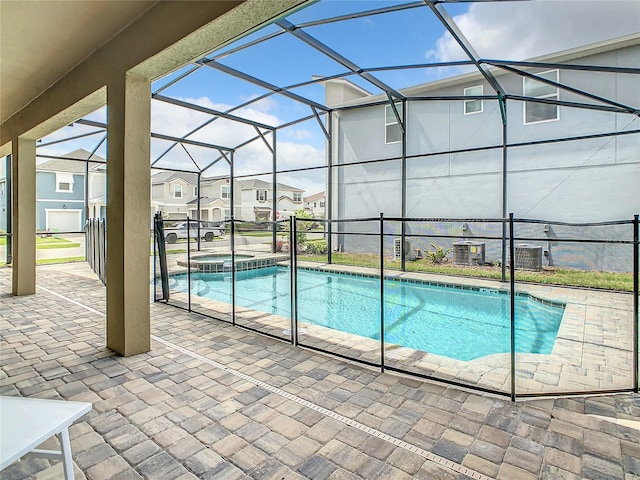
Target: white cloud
[(250, 159), (521, 30), (253, 158)]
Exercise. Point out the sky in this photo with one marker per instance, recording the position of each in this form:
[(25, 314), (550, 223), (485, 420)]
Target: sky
[(505, 30)]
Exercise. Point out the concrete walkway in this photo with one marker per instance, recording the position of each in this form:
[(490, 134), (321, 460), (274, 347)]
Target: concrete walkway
[(214, 401)]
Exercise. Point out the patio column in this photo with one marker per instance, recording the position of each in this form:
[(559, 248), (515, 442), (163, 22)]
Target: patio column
[(128, 207), (23, 172)]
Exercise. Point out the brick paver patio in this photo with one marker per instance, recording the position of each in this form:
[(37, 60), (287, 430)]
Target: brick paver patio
[(214, 401)]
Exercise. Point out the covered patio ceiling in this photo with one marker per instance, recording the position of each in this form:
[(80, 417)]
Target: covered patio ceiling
[(56, 34)]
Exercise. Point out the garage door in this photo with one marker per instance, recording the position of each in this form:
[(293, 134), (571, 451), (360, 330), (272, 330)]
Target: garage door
[(64, 220)]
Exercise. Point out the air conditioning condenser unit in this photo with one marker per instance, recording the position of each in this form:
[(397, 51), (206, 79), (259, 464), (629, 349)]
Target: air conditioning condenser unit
[(468, 253), (409, 251), (528, 257)]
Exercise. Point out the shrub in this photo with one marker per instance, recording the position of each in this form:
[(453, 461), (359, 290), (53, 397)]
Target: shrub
[(439, 255), (316, 247)]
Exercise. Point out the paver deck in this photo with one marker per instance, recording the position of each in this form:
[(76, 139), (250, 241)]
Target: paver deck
[(213, 401)]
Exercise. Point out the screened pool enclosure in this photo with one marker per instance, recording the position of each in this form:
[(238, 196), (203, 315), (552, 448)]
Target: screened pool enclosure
[(445, 189)]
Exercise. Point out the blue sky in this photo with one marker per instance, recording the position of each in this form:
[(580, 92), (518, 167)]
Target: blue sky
[(508, 30)]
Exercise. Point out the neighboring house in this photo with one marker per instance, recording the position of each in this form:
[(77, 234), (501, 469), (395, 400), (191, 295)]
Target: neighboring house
[(98, 191), (60, 192), (176, 196), (454, 159), (171, 193), (314, 204), (215, 199), (256, 200)]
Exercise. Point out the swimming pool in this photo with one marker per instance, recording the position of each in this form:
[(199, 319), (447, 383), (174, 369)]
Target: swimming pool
[(463, 324)]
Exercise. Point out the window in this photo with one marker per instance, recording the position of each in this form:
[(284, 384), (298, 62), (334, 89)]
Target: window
[(314, 205), (2, 189), (321, 204), (261, 195), (227, 214), (195, 191), (473, 106), (393, 132), (297, 196), (64, 182), (541, 112), (225, 191), (177, 191)]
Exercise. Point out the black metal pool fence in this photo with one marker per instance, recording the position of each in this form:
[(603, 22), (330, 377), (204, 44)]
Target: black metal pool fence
[(596, 350)]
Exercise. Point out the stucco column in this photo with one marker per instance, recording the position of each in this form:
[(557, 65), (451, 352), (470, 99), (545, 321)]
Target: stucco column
[(128, 207), (23, 174)]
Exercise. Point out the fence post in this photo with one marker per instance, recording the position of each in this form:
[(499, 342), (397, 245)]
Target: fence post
[(102, 250), (636, 259), (512, 301), (232, 246), (382, 290), (293, 246), (155, 270), (189, 263)]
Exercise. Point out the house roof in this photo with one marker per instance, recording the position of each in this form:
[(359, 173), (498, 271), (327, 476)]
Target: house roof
[(207, 201), (164, 177), (563, 56), (70, 166), (314, 197), (255, 183), (250, 184)]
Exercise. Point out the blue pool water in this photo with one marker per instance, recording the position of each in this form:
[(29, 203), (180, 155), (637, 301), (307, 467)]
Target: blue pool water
[(456, 323)]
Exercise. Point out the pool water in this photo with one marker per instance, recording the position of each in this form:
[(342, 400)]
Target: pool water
[(447, 321)]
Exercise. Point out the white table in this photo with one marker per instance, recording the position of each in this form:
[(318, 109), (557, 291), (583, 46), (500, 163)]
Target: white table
[(27, 422)]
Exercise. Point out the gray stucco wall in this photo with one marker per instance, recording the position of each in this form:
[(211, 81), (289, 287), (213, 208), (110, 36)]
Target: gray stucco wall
[(578, 181)]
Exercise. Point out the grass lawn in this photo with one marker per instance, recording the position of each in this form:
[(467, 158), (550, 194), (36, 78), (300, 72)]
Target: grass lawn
[(48, 242), (45, 261), (257, 233), (564, 277)]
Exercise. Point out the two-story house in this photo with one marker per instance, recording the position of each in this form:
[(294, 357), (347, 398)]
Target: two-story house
[(565, 162), (172, 192), (215, 199), (175, 194), (256, 200), (315, 204), (61, 191)]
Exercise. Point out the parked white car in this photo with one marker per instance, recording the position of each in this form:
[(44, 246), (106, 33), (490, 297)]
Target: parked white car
[(208, 231)]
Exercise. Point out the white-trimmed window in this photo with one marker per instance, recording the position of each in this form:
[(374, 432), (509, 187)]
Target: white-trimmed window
[(195, 191), (261, 195), (535, 112), (177, 191), (225, 191), (64, 182), (297, 197), (321, 204), (473, 106), (392, 130)]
